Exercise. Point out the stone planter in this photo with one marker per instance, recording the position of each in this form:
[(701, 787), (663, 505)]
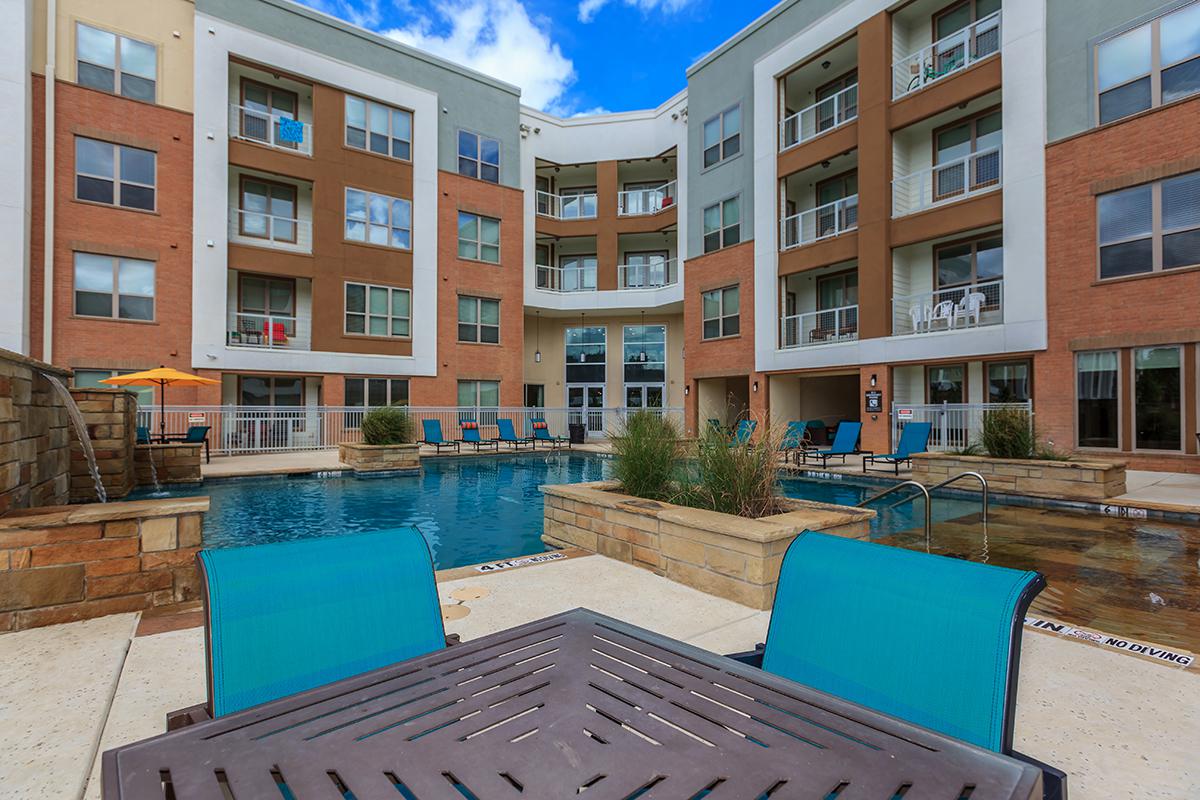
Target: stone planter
[(381, 457), (729, 556), (174, 462), (1067, 480)]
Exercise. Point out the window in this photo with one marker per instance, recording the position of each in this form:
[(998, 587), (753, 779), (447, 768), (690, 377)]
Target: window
[(478, 157), (722, 224), (535, 395), (114, 174), (478, 238), (976, 265), (1008, 382), (378, 219), (263, 110), (90, 379), (1097, 414), (267, 210), (478, 320), (835, 113), (1157, 398), (837, 291), (586, 354), (577, 273), (1129, 79), (954, 147), (721, 317), (268, 390), (645, 365), (378, 128), (265, 303), (376, 392), (722, 136), (1152, 227), (577, 202), (108, 286), (378, 310), (113, 63), (479, 394), (946, 384)]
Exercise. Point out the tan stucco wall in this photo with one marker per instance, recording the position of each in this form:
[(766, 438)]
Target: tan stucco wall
[(155, 22)]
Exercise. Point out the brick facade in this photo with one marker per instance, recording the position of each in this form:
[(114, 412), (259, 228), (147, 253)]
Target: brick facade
[(34, 436), (111, 419)]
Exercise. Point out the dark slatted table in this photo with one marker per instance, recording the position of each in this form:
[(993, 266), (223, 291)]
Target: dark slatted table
[(575, 703)]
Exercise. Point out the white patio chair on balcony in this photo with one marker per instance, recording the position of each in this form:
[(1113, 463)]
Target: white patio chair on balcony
[(919, 314), (969, 308), (942, 312)]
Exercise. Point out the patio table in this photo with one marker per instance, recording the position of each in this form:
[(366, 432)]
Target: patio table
[(573, 703)]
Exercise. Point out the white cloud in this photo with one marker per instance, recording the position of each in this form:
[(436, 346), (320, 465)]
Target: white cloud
[(589, 8)]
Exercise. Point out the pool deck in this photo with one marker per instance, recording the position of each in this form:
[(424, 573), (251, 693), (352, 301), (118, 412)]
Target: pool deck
[(1121, 726)]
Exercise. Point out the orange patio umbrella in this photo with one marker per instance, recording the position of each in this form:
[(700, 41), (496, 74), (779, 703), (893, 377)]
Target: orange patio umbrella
[(162, 378)]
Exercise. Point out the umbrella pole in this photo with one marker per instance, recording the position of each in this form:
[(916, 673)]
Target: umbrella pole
[(162, 410)]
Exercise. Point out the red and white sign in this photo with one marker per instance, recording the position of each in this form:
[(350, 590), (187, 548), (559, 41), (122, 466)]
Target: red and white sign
[(195, 419), (904, 413)]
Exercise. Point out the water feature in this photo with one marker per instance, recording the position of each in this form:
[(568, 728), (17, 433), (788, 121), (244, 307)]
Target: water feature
[(85, 441)]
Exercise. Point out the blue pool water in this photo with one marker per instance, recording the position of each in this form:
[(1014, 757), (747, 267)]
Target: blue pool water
[(845, 491)]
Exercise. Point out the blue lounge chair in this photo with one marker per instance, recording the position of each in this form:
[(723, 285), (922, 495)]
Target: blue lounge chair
[(508, 435), (434, 438), (195, 435), (845, 443), (541, 433), (913, 439), (794, 438), (143, 434), (470, 435), (930, 639), (287, 617), (743, 432)]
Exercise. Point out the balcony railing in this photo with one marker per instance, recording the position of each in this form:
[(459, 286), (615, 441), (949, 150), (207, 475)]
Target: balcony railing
[(819, 327), (830, 113), (641, 202), (269, 230), (653, 275), (949, 55), (955, 180), (273, 130), (953, 308), (822, 222), (268, 331), (566, 279), (566, 206)]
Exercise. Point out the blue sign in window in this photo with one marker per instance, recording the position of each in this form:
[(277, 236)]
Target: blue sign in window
[(291, 130)]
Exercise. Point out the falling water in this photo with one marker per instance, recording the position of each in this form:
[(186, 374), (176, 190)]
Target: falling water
[(81, 431), (153, 469)]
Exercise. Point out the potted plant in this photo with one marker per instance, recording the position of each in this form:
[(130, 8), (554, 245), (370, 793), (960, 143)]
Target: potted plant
[(386, 444)]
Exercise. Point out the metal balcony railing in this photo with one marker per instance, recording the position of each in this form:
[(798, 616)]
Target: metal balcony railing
[(822, 222), (822, 116), (566, 206), (273, 130), (642, 202), (652, 275), (948, 55), (952, 308), (819, 327), (268, 331), (947, 183), (269, 230), (566, 279)]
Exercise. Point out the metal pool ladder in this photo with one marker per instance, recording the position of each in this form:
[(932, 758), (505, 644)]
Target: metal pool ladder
[(929, 500)]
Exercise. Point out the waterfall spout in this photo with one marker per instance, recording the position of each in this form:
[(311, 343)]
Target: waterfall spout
[(81, 431)]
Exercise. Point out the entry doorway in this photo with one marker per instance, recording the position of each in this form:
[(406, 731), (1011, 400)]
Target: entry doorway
[(585, 404)]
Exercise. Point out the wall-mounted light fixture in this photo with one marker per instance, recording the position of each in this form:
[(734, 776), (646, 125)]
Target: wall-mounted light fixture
[(687, 390), (874, 380), (537, 353), (754, 386)]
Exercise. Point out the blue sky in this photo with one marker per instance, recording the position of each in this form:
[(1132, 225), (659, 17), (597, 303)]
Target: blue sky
[(569, 56)]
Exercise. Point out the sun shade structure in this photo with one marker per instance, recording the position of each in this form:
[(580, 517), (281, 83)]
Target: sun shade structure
[(161, 377)]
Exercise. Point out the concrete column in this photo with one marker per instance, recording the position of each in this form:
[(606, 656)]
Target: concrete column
[(606, 224), (16, 172)]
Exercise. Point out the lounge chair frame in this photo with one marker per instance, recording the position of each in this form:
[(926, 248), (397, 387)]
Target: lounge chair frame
[(447, 443), (824, 456), (478, 442), (895, 459), (517, 442), (554, 442)]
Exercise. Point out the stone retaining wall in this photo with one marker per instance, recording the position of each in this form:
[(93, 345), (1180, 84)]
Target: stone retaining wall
[(35, 442), (732, 557), (77, 562), (174, 462), (111, 418), (380, 457), (1071, 480)]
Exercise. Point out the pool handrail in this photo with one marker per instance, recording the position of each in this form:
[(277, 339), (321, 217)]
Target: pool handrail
[(897, 487)]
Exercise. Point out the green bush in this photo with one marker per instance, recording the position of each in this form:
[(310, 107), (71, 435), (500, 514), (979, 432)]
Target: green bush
[(1007, 433), (741, 479), (387, 425), (647, 451)]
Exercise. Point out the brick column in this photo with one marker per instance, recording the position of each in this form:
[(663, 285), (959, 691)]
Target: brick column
[(874, 178)]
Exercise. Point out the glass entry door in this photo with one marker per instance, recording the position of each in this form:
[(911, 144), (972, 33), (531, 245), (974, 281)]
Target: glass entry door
[(585, 404)]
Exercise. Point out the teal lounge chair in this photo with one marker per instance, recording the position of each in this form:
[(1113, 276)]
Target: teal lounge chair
[(743, 432), (845, 443), (508, 435), (433, 436), (470, 435), (541, 433), (143, 434), (287, 617), (913, 439), (794, 438), (933, 640), (195, 435)]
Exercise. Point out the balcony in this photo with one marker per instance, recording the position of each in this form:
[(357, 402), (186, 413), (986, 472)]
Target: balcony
[(566, 206), (822, 222), (645, 202), (566, 279), (267, 230), (947, 56), (971, 175), (828, 326), (949, 309), (270, 129), (821, 117), (268, 331), (652, 275)]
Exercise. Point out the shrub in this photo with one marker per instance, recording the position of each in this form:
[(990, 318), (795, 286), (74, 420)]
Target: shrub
[(1007, 433), (387, 425), (741, 479), (647, 450)]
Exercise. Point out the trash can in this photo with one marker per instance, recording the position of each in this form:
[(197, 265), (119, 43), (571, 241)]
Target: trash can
[(577, 432)]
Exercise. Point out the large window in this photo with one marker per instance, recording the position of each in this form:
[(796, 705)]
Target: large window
[(115, 63), (264, 110), (378, 219), (478, 238), (1150, 65), (478, 157), (118, 288), (586, 354), (378, 128), (1008, 382), (376, 392), (645, 367), (114, 174), (1097, 410), (1157, 398), (267, 390), (267, 210), (479, 394), (91, 379), (723, 224), (1152, 227), (578, 273), (478, 320), (721, 314), (722, 136), (946, 384), (378, 310), (954, 172)]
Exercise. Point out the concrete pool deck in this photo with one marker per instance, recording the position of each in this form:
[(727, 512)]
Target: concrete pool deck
[(1120, 726)]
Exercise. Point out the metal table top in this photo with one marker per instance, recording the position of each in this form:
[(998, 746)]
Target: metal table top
[(574, 703)]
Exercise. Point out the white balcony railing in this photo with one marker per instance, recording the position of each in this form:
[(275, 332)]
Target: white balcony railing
[(819, 327), (830, 113), (566, 279), (955, 180), (641, 202), (653, 275), (268, 230), (949, 55), (822, 222), (949, 309), (268, 331), (273, 130), (566, 206)]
